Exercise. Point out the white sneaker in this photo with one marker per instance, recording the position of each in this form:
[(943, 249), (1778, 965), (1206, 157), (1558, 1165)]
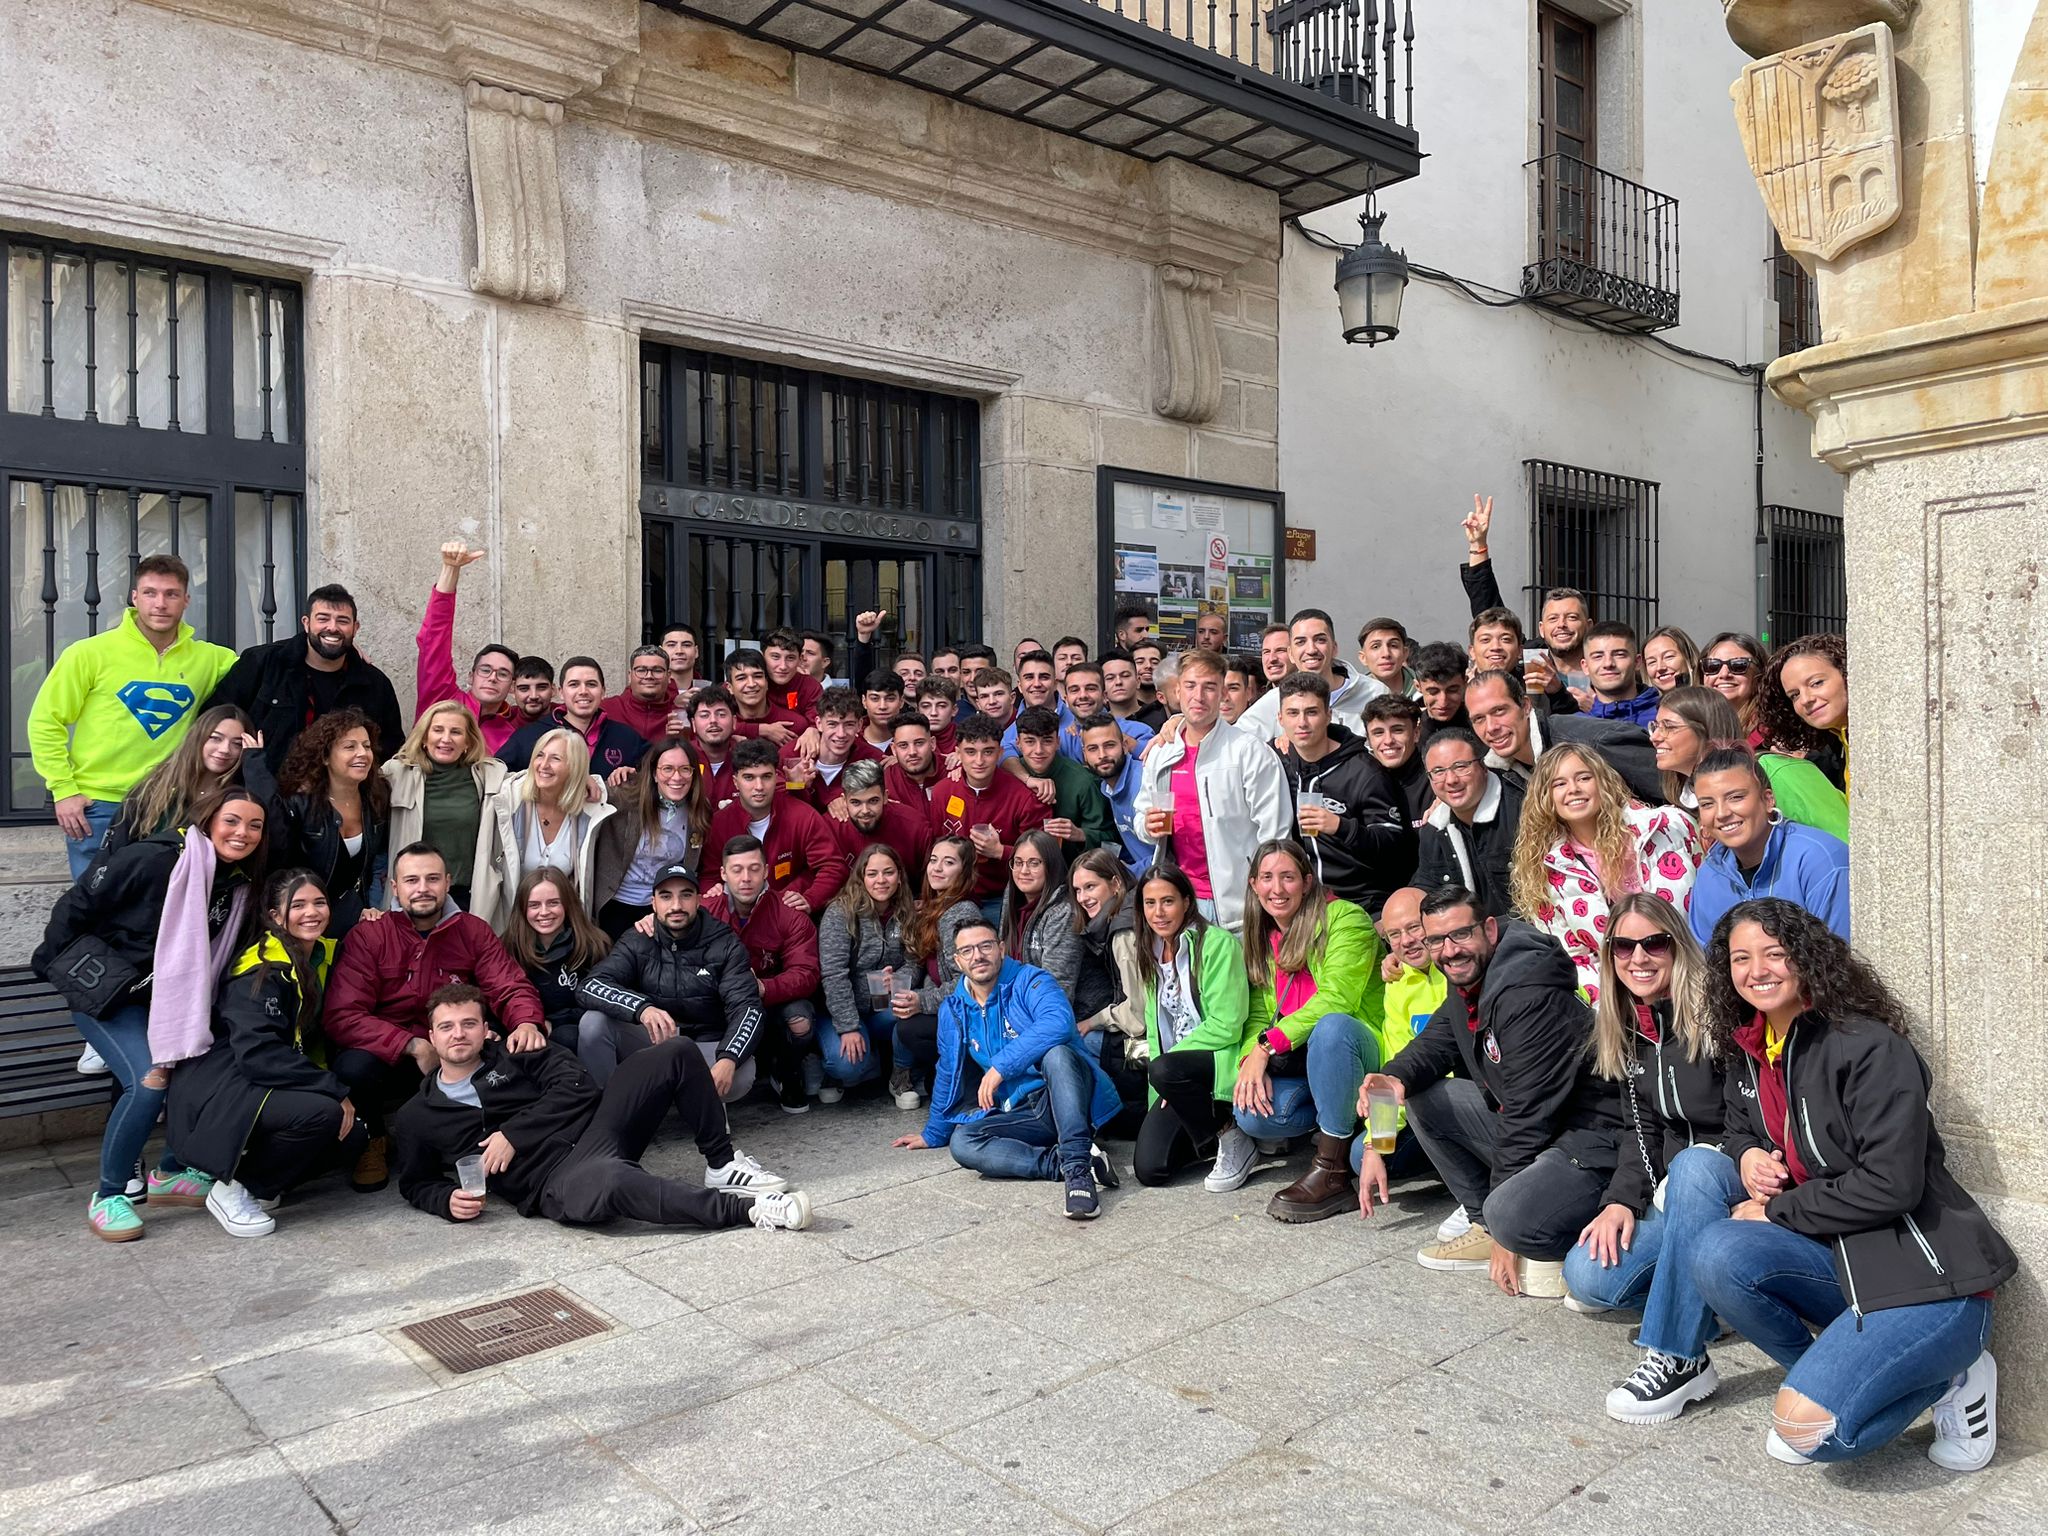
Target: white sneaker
[(92, 1063), (1588, 1308), (1235, 1154), (831, 1093), (1780, 1451), (1966, 1419), (1453, 1226), (237, 1211), (744, 1177), (1271, 1146), (789, 1211)]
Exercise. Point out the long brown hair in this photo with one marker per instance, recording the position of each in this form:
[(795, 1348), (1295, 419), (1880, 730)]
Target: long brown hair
[(1709, 716), (1784, 730), (921, 933), (305, 769), (587, 943), (1194, 927), (1047, 847), (1542, 829), (180, 781), (1613, 1042), (856, 906), (642, 798), (1104, 866), (1306, 933)]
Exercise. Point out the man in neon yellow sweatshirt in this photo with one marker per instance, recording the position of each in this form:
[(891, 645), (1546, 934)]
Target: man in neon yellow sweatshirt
[(116, 704)]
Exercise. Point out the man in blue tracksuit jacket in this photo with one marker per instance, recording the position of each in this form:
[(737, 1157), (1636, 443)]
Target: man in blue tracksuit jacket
[(1121, 774), (1015, 1095)]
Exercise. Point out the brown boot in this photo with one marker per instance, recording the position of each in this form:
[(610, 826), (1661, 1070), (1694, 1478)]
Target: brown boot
[(1325, 1190), (372, 1170)]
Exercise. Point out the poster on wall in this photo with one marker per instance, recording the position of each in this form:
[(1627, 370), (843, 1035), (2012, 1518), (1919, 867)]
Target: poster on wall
[(1246, 629), (1137, 570), (1217, 586), (1251, 581), (1205, 513), (1169, 511)]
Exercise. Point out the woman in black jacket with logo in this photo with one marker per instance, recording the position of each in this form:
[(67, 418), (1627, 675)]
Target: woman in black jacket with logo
[(556, 943), (330, 812), (1845, 1217)]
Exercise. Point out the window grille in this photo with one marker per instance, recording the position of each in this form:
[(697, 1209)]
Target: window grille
[(1595, 532), (1809, 574)]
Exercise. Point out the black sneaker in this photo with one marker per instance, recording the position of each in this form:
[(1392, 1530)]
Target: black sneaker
[(1660, 1387), (790, 1091), (1102, 1167), (1081, 1202)]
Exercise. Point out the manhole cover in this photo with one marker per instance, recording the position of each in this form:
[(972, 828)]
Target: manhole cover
[(503, 1330)]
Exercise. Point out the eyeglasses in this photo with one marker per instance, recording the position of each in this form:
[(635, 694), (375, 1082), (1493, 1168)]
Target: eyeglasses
[(973, 951), (1656, 944), (1463, 935), (1661, 727), (1445, 770), (650, 671), (1741, 666), (492, 671)]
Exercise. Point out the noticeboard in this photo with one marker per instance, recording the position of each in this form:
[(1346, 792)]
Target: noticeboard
[(1187, 548)]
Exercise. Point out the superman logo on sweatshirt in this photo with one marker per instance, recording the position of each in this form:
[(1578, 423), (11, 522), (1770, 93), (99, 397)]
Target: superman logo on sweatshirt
[(156, 706)]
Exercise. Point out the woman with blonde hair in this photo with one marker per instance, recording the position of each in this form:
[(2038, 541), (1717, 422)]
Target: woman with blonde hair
[(1583, 844), (544, 815), (441, 779), (1653, 1040)]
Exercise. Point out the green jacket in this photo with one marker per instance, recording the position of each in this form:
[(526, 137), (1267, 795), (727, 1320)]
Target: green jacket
[(1222, 999), (112, 709), (1347, 978), (1077, 795), (1804, 794)]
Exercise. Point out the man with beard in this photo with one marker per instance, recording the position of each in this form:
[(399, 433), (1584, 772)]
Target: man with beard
[(914, 768), (864, 814), (1504, 718), (1121, 772), (285, 686)]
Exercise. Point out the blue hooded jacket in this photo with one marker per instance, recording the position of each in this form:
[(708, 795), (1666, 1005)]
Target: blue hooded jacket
[(1801, 864), (1026, 1016), (1123, 809)]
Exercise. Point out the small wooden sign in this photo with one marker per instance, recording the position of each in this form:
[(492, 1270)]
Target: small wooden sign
[(1300, 543)]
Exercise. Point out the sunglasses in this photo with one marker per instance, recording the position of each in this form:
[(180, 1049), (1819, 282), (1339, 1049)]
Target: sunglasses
[(1658, 944), (1741, 666)]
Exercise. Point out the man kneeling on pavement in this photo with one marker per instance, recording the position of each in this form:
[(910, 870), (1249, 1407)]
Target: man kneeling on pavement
[(555, 1145), (1526, 1135)]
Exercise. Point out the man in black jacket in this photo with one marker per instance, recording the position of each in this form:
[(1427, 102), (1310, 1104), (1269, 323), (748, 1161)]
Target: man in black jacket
[(1525, 1135), (555, 1146), (1468, 838), (1504, 719), (284, 687), (691, 977), (1351, 817)]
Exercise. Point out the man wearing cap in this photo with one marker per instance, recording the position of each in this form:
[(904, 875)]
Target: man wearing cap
[(689, 977)]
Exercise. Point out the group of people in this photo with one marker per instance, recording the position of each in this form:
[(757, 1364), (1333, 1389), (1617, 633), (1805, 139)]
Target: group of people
[(1564, 928)]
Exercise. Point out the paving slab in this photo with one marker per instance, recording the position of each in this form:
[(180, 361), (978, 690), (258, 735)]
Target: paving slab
[(1282, 1493), (1000, 1257), (254, 1493), (1119, 1309), (724, 1266), (923, 1492), (585, 1489), (58, 1455), (301, 1389), (613, 1383), (961, 1369), (1397, 1304), (825, 1317), (1640, 1496)]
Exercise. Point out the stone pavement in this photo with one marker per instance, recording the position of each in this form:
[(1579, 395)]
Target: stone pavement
[(938, 1354)]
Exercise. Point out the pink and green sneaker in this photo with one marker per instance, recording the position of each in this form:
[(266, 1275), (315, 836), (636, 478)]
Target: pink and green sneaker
[(113, 1219), (186, 1187)]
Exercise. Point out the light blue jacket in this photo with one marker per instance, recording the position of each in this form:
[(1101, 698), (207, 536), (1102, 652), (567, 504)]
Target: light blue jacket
[(1026, 1016), (1123, 809), (1801, 864)]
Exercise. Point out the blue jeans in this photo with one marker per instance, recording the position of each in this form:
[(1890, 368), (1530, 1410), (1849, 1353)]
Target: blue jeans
[(1876, 1373), (1629, 1280), (1340, 1052), (123, 1038), (1701, 1188), (99, 815), (1048, 1136), (838, 1069)]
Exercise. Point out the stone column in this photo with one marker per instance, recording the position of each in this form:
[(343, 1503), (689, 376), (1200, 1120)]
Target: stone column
[(1930, 393)]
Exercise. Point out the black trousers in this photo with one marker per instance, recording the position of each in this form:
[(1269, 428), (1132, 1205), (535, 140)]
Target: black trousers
[(376, 1087), (920, 1036), (602, 1178), (297, 1136), (1180, 1130)]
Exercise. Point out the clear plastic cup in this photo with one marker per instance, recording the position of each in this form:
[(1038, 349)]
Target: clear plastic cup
[(881, 986), (1382, 1119), (470, 1171)]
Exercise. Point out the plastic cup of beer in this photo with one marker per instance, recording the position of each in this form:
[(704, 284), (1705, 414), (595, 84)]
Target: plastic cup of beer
[(880, 985), (1382, 1119), (470, 1171)]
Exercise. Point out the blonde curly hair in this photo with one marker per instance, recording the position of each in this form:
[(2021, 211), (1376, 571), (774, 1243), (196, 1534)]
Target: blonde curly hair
[(1542, 828)]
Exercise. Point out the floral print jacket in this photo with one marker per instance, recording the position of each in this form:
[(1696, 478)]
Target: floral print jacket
[(1668, 853)]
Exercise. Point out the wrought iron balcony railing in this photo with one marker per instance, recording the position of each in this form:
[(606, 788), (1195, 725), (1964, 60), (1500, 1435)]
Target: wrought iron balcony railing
[(1605, 247), (1312, 98)]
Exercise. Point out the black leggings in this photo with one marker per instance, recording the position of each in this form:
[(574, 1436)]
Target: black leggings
[(1180, 1129), (602, 1177), (920, 1036), (297, 1136)]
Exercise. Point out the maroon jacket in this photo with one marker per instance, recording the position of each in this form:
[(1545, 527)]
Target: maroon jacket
[(776, 715), (716, 778), (782, 946), (907, 792), (650, 720), (903, 829), (818, 794), (799, 698), (803, 855), (1006, 805), (386, 971)]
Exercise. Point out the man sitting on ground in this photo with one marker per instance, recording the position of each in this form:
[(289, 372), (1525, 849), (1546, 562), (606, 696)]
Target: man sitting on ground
[(554, 1145), (1526, 1134)]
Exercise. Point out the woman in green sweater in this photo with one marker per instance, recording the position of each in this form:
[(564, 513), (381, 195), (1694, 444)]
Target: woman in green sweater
[(1191, 980), (1691, 722), (1313, 965)]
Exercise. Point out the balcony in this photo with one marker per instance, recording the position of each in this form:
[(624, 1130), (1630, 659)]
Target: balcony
[(1311, 98), (1605, 247)]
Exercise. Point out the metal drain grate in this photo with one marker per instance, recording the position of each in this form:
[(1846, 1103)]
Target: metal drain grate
[(503, 1330)]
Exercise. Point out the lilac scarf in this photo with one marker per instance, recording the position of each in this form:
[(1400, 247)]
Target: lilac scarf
[(188, 966)]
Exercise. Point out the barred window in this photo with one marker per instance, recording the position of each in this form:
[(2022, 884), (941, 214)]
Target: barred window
[(1596, 532), (1809, 574), (1798, 301), (153, 406)]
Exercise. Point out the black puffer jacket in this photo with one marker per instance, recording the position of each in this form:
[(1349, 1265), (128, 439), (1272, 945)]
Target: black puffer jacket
[(542, 1102), (272, 685), (701, 976), (1669, 1103), (1371, 855), (1528, 1052), (1878, 1191)]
